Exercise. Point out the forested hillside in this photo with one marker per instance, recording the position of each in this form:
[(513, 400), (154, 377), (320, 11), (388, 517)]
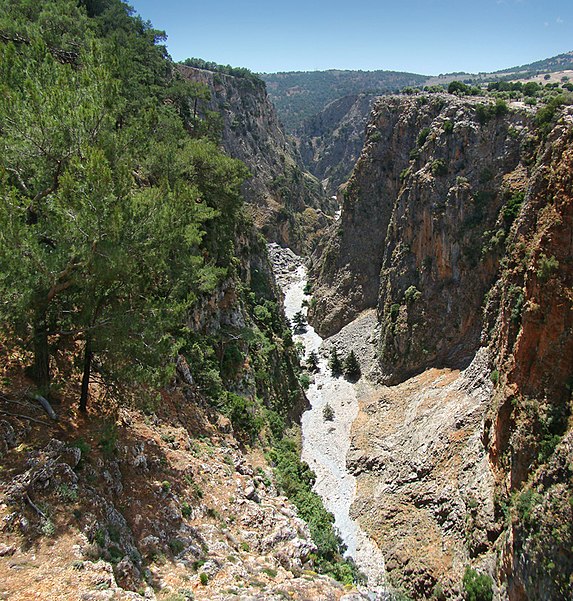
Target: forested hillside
[(138, 305), (299, 95)]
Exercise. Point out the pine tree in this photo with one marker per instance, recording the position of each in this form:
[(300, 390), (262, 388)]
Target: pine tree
[(335, 363), (299, 323), (352, 367), (312, 361), (113, 220)]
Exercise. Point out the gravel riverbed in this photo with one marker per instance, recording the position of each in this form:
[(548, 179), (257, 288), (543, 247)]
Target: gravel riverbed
[(326, 442)]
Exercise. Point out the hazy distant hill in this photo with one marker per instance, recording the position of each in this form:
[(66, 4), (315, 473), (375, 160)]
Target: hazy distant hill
[(547, 65), (298, 95)]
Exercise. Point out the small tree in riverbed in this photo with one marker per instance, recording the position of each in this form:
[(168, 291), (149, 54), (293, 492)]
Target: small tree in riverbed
[(312, 362), (352, 367), (328, 413), (299, 323), (335, 364)]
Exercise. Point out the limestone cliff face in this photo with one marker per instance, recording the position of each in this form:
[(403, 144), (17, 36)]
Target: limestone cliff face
[(529, 434), (288, 203), (457, 226), (331, 141), (431, 181)]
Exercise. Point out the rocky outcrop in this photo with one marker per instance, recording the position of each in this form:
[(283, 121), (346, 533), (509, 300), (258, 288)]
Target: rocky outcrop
[(331, 141), (424, 484), (433, 178), (288, 203), (145, 509)]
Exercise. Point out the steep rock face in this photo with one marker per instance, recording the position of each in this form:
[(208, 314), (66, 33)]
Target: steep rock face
[(286, 201), (430, 182), (530, 314), (331, 141), (472, 234)]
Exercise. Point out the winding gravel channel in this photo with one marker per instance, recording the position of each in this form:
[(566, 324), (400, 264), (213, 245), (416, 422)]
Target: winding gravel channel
[(326, 443)]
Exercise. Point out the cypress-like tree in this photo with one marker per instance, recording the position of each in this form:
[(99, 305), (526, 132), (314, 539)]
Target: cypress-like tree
[(334, 363), (312, 361), (299, 323), (352, 367)]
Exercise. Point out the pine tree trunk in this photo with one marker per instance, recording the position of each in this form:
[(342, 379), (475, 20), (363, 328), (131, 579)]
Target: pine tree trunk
[(41, 367), (88, 355)]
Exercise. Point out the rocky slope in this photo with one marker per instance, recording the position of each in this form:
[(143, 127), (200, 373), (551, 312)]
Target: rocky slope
[(163, 506), (287, 202), (331, 141), (158, 494), (457, 228)]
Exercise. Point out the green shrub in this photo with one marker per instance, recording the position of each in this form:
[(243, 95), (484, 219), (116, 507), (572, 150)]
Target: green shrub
[(546, 115), (328, 412), (546, 267), (423, 136), (525, 504), (439, 167), (304, 380), (244, 414), (512, 207), (485, 112), (48, 528), (405, 173), (394, 312), (448, 126), (176, 545), (414, 154), (477, 587), (412, 295), (204, 578)]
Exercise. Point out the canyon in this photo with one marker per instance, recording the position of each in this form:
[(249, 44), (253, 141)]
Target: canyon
[(427, 234)]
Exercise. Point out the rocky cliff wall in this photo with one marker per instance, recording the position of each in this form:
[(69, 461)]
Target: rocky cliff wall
[(431, 181), (530, 327), (331, 141), (288, 203), (457, 226)]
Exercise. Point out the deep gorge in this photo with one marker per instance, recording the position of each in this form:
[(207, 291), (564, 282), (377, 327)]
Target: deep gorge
[(430, 233)]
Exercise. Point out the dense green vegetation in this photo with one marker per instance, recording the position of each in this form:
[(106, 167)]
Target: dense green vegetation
[(120, 218), (296, 479), (477, 587), (102, 187)]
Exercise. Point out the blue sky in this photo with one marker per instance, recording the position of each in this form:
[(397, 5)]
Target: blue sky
[(421, 36)]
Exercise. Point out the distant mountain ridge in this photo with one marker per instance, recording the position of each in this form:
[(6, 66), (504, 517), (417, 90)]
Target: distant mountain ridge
[(300, 95)]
